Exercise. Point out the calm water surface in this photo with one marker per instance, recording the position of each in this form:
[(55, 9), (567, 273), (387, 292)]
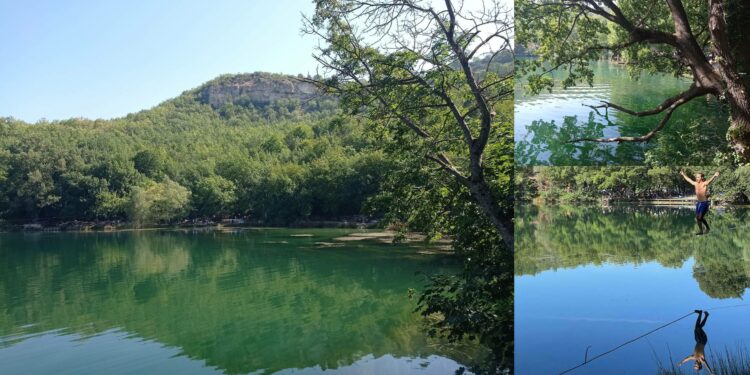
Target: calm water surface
[(545, 122), (594, 277), (255, 301)]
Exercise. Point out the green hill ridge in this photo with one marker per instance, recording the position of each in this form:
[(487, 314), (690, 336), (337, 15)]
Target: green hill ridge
[(264, 146)]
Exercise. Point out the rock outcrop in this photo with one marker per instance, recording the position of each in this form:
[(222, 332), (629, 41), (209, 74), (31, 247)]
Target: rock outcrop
[(259, 89)]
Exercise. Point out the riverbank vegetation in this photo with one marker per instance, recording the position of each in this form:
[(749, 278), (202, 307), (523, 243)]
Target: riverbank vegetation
[(274, 162), (594, 184)]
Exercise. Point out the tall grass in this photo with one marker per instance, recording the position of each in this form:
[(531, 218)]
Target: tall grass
[(730, 362)]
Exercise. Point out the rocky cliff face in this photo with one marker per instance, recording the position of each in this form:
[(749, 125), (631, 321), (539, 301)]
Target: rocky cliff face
[(260, 89)]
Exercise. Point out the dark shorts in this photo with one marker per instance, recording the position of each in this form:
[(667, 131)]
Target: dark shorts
[(701, 208)]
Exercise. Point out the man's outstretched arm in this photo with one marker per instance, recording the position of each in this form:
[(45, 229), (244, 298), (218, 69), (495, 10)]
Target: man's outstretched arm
[(682, 173), (712, 177)]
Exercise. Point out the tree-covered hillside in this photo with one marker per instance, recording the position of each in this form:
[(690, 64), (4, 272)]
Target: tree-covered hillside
[(262, 146)]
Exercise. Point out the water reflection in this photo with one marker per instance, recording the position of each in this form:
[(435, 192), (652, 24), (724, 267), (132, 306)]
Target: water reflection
[(546, 123), (701, 339), (591, 278), (255, 301), (549, 237)]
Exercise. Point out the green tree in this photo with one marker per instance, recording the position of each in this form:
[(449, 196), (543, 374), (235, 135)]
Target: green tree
[(231, 158), (158, 203), (590, 184), (445, 122), (214, 195), (705, 41), (427, 96), (111, 205), (150, 163)]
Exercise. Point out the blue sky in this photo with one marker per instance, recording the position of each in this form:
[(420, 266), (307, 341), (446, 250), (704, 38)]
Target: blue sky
[(104, 59)]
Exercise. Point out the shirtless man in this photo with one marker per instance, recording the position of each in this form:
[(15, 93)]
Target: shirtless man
[(699, 355), (701, 193)]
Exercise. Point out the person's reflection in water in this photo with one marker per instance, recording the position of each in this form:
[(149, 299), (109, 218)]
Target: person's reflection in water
[(699, 355)]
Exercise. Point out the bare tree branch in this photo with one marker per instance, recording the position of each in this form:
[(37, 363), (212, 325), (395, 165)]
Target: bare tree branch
[(693, 92), (668, 106)]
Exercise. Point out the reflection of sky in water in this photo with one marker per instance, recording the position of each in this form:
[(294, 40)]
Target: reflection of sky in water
[(117, 352), (564, 304), (560, 313), (612, 83), (558, 104)]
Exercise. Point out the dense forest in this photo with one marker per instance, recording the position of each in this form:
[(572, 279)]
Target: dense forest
[(591, 184), (257, 145)]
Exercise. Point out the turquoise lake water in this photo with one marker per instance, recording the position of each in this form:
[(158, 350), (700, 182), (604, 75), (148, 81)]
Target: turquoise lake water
[(251, 301)]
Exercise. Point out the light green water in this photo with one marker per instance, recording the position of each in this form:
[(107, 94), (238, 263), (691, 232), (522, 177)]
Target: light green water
[(255, 301), (545, 123)]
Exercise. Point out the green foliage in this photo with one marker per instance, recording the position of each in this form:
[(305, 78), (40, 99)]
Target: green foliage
[(590, 184), (561, 236), (150, 163), (681, 40), (158, 203), (430, 114), (214, 195), (277, 162), (478, 303), (560, 37), (110, 205)]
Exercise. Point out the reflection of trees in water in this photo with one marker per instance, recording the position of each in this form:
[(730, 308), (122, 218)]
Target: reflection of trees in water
[(723, 267), (696, 139), (236, 303), (550, 141), (552, 237)]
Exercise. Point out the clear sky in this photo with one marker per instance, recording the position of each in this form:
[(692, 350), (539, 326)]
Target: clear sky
[(104, 59)]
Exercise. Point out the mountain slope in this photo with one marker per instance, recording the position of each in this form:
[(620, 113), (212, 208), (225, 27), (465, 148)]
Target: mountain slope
[(262, 146)]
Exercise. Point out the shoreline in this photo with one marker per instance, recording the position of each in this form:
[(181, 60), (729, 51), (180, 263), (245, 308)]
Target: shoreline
[(372, 234), (655, 202), (122, 226)]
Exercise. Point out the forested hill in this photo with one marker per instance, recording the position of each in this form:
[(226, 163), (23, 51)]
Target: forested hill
[(263, 146)]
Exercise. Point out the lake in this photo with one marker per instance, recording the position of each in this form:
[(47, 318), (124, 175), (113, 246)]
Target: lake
[(545, 123), (247, 301), (597, 277)]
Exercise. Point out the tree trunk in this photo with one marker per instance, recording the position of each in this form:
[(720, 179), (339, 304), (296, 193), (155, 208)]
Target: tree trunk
[(739, 128), (482, 194), (733, 87)]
